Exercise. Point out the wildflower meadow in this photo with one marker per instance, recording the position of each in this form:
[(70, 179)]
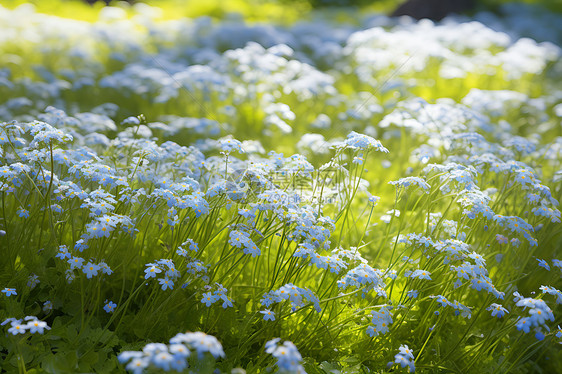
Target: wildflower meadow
[(267, 192)]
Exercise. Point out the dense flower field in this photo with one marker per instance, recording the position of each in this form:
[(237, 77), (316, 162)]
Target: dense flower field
[(213, 196)]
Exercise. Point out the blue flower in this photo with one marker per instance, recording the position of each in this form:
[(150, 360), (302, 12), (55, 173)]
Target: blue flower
[(251, 249), (543, 264), (523, 325), (32, 281), (138, 364), (270, 298), (208, 298), (358, 141), (80, 245), (9, 291), (238, 238), (201, 342), (408, 181), (105, 268), (195, 267), (90, 269), (441, 300), (381, 320), (304, 250), (287, 355), (358, 160), (268, 315), (109, 306), (70, 276), (501, 239), (463, 271), (192, 245), (179, 350), (47, 306), (162, 360), (554, 292), (404, 357), (412, 294), (421, 274), (22, 213), (75, 262), (497, 310), (16, 326), (181, 252), (97, 229), (178, 362), (49, 135), (63, 253), (151, 271), (131, 121), (374, 200), (406, 352), (247, 213), (228, 145), (403, 361), (34, 325), (166, 283)]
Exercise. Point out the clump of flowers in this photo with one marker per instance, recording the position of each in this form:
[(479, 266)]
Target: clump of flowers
[(173, 356), (32, 325), (287, 355), (216, 295), (297, 296), (381, 321), (404, 358), (539, 314), (497, 310)]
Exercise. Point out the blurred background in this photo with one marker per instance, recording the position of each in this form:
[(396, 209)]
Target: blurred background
[(391, 4), (268, 10)]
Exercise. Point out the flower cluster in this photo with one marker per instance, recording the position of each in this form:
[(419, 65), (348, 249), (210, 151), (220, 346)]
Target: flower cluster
[(497, 310), (539, 314), (168, 276), (287, 355), (297, 296), (364, 276), (411, 181), (381, 321), (173, 356), (90, 268), (554, 292), (219, 294), (32, 325), (363, 142), (241, 239), (404, 358), (459, 309)]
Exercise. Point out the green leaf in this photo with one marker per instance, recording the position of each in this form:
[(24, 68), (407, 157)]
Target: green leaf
[(329, 368), (64, 362)]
